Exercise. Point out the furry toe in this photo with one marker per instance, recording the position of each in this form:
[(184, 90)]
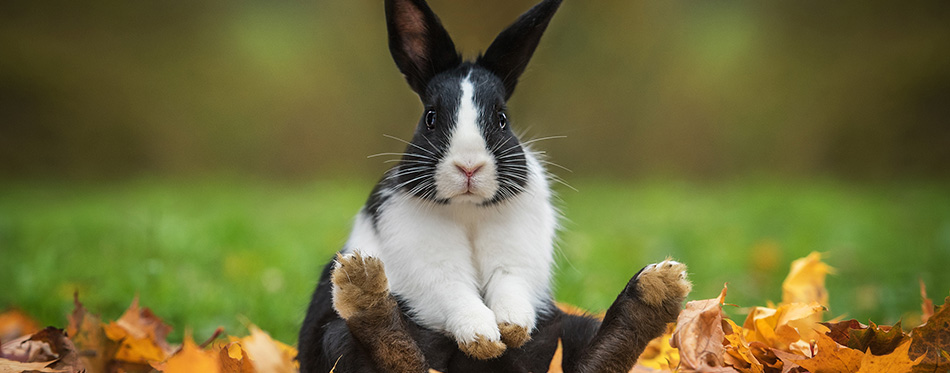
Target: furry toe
[(359, 283), (514, 336), (663, 281), (482, 348)]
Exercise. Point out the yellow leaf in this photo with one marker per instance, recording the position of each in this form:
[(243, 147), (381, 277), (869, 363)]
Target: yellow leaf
[(805, 282), (896, 361), (192, 358), (832, 358)]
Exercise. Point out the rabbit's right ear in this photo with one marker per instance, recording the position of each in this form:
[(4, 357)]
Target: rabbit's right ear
[(419, 44)]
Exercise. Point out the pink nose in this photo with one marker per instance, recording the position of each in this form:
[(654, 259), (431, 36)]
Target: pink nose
[(469, 170)]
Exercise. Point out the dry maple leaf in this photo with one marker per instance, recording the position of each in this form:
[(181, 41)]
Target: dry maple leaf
[(788, 327), (895, 361), (10, 366), (699, 336), (268, 355), (233, 359), (191, 358), (141, 336), (85, 331), (832, 358), (926, 305), (931, 341)]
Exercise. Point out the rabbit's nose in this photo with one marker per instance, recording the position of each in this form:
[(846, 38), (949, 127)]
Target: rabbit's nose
[(469, 170)]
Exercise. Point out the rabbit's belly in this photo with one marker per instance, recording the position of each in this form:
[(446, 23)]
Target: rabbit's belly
[(463, 270)]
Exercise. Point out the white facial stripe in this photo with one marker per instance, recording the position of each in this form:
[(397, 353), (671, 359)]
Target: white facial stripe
[(466, 130), (467, 149)]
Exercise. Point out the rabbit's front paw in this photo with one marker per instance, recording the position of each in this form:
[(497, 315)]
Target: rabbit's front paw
[(482, 347), (477, 334), (359, 283), (514, 335), (663, 281)]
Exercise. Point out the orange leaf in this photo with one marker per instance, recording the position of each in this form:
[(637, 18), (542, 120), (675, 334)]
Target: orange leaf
[(896, 361), (191, 358), (699, 335), (659, 354), (832, 357), (15, 323), (141, 335), (268, 355), (233, 359)]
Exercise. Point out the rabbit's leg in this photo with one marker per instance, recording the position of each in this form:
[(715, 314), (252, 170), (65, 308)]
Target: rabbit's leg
[(361, 297), (652, 299)]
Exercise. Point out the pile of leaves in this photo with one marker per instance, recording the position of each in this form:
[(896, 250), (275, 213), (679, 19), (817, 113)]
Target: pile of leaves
[(789, 338), (136, 342)]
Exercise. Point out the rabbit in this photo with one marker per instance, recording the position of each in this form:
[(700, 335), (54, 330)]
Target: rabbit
[(448, 264)]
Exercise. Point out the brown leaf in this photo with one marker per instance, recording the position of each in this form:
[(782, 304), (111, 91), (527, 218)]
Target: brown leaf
[(699, 336), (840, 331), (832, 357), (895, 361), (11, 366), (233, 359), (879, 340), (85, 331), (15, 323), (930, 340), (141, 336)]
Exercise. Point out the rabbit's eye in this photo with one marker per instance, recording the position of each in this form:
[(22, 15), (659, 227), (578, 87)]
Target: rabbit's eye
[(502, 120), (430, 120)]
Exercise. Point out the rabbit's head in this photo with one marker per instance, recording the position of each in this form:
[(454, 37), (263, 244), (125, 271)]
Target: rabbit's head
[(463, 149)]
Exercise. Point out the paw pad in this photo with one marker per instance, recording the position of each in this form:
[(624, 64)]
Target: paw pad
[(359, 282), (662, 281)]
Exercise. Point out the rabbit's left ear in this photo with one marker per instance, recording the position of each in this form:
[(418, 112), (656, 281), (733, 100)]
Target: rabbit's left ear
[(509, 54), (418, 43)]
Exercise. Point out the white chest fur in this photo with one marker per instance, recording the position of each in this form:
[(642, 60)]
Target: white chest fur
[(464, 268)]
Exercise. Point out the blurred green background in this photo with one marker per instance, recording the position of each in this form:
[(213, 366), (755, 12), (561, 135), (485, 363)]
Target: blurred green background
[(209, 156)]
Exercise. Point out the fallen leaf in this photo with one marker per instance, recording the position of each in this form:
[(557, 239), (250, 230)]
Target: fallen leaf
[(784, 328), (832, 357), (85, 331), (738, 354), (840, 331), (895, 361), (699, 336), (141, 336), (192, 358), (268, 355), (233, 359), (931, 340), (10, 366)]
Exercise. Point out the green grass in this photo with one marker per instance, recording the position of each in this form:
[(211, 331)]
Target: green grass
[(201, 254)]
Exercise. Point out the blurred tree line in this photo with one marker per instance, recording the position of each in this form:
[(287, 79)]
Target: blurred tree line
[(307, 89)]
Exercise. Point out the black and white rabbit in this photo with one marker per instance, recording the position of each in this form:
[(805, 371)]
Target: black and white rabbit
[(465, 227)]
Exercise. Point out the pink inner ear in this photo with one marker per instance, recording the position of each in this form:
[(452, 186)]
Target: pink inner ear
[(412, 28)]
